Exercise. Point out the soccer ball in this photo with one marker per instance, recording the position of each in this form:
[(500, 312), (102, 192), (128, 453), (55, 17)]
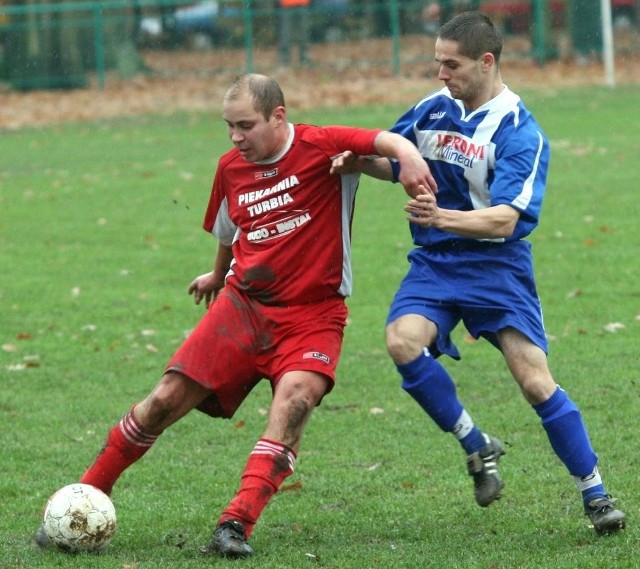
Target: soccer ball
[(79, 517)]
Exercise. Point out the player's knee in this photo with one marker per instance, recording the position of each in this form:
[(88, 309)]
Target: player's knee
[(298, 408), (537, 388), (297, 403), (402, 345), (159, 406)]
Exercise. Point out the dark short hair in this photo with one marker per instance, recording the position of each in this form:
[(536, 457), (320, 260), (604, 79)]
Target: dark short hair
[(265, 92), (475, 34)]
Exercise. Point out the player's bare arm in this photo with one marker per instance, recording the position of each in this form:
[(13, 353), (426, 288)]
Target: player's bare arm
[(209, 284), (350, 163), (489, 223), (415, 175)]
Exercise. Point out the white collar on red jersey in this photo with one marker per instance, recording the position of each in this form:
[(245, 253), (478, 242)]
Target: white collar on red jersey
[(283, 150)]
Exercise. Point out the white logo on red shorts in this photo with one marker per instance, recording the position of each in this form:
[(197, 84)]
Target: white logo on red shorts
[(316, 356)]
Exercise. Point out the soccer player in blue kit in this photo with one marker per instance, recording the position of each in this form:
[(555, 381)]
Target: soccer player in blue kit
[(471, 263)]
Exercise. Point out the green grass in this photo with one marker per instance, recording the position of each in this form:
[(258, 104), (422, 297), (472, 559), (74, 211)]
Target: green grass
[(100, 236)]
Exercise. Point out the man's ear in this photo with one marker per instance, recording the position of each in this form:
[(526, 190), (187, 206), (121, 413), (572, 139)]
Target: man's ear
[(280, 115), (488, 61)]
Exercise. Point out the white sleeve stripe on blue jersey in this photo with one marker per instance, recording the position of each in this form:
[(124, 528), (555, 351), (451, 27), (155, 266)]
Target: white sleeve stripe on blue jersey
[(524, 197)]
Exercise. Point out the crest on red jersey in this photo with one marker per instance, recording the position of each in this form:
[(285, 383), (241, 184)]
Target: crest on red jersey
[(266, 174)]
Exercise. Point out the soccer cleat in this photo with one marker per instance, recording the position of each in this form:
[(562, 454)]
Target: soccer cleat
[(606, 519), (483, 466), (41, 539), (229, 540)]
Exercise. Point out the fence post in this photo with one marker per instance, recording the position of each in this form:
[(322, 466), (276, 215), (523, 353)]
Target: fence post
[(247, 17), (395, 35), (540, 23), (98, 36)]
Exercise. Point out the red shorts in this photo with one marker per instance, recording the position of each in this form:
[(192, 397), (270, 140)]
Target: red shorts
[(240, 341)]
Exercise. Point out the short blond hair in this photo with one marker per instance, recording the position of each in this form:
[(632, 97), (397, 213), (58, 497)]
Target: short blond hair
[(265, 92)]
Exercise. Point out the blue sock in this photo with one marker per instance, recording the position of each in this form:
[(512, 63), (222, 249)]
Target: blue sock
[(569, 439), (473, 441), (433, 389)]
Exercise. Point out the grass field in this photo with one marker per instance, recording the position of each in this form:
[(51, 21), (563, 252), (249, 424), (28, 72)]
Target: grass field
[(100, 236)]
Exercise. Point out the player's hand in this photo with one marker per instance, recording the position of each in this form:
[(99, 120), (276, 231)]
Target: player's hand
[(206, 286), (345, 163), (416, 178), (423, 210)]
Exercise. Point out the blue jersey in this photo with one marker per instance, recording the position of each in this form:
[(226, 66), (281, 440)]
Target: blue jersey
[(494, 155)]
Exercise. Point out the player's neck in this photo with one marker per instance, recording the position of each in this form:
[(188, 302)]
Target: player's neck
[(497, 87), (285, 139), (489, 93)]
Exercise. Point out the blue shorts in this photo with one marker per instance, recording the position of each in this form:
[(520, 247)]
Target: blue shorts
[(486, 285)]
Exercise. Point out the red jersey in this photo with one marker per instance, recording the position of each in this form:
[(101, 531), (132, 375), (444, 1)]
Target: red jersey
[(289, 220)]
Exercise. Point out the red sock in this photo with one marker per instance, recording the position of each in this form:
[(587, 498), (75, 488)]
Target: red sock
[(126, 443), (268, 465)]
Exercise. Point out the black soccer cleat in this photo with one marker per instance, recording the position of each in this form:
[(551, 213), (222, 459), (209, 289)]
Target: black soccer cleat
[(606, 519), (41, 539), (229, 540), (483, 466)]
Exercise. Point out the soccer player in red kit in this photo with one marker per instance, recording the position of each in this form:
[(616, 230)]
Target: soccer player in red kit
[(275, 297)]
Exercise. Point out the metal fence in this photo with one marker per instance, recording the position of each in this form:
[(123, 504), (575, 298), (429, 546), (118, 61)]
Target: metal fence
[(73, 44)]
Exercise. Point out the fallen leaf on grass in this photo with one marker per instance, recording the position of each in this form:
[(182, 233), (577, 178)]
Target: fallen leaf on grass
[(9, 348), (614, 326), (297, 485), (28, 361), (32, 360)]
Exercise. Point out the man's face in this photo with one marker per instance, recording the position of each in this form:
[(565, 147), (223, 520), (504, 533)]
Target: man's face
[(252, 134), (462, 75)]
